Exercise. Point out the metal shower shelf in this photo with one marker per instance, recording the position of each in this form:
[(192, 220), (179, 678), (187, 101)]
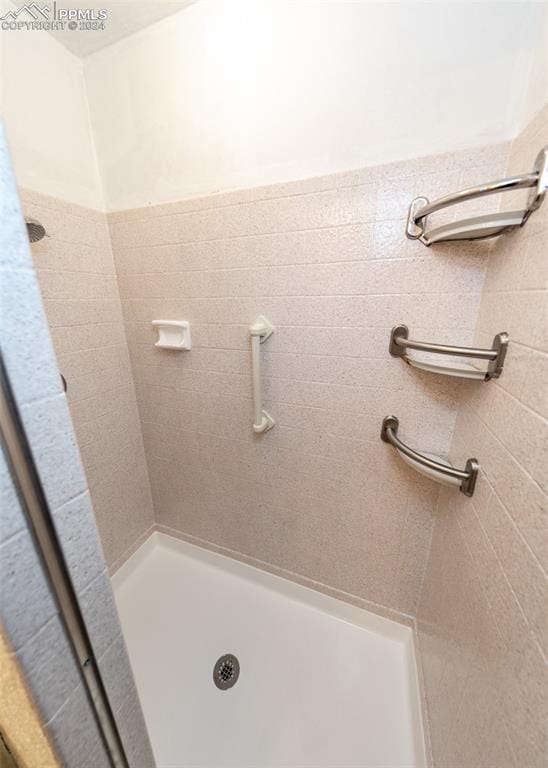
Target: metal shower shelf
[(400, 343), (433, 467), (480, 227)]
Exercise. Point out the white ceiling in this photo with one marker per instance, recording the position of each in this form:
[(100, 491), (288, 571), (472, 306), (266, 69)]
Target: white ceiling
[(124, 18)]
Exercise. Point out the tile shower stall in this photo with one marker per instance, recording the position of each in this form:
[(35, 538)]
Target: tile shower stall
[(362, 615)]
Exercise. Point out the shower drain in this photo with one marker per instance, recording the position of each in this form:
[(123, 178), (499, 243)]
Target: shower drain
[(226, 671)]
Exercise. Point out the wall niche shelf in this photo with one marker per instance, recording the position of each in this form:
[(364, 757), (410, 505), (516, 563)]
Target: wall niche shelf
[(480, 227), (437, 469), (487, 363)]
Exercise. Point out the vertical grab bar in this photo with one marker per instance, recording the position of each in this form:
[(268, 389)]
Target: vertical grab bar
[(260, 332)]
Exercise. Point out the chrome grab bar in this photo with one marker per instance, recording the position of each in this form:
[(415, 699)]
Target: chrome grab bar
[(493, 187), (400, 341), (481, 226), (467, 476)]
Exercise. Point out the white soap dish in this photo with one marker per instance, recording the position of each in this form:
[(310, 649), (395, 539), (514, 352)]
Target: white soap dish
[(460, 369), (432, 473), (173, 334)]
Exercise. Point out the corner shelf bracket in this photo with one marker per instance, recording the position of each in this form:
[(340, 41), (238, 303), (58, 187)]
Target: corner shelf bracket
[(434, 468), (480, 227), (495, 356)]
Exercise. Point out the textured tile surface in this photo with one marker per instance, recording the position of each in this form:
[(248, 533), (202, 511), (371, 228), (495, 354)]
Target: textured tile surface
[(133, 732), (327, 261), (28, 611), (21, 575), (51, 436), (78, 285), (99, 611), (116, 672), (20, 298), (118, 678), (76, 527), (47, 659), (482, 613), (11, 518), (76, 736)]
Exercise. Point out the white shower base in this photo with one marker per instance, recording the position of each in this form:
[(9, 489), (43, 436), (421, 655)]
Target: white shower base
[(322, 683)]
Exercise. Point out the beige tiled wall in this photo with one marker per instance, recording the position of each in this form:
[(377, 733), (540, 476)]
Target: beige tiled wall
[(326, 260), (34, 633), (482, 614), (78, 284)]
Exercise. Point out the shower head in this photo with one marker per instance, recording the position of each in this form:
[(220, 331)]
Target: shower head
[(35, 230)]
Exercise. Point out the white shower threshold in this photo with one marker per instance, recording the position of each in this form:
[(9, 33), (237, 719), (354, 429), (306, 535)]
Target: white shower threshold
[(322, 683)]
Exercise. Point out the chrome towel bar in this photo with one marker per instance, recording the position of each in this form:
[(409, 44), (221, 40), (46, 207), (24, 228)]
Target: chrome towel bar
[(400, 342), (480, 227), (466, 477)]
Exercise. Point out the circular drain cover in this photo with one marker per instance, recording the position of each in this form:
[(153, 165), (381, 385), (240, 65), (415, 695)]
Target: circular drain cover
[(226, 671)]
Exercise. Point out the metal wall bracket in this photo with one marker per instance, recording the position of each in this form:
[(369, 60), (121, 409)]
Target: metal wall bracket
[(400, 343), (465, 478), (415, 225), (480, 227)]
